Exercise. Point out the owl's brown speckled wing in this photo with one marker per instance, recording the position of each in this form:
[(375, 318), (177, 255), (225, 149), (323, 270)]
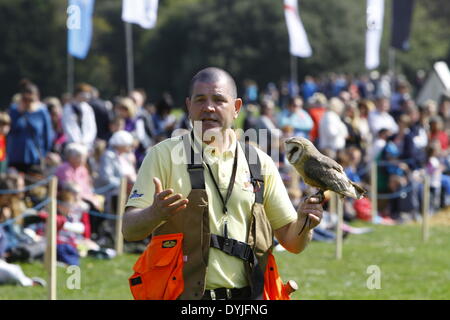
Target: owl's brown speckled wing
[(325, 173)]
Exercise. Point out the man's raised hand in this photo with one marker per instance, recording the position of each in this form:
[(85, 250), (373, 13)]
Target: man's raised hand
[(165, 203)]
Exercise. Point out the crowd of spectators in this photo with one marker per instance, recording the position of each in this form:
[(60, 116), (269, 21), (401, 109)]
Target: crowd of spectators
[(359, 121), (91, 144)]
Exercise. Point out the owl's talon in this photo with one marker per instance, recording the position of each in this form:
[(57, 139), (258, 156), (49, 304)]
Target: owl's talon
[(319, 195)]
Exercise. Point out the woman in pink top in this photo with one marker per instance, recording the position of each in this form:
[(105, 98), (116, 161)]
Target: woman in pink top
[(74, 170)]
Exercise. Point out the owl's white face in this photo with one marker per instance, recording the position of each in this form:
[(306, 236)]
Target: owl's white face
[(294, 150)]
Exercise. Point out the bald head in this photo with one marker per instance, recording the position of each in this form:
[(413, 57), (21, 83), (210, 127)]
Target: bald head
[(213, 75)]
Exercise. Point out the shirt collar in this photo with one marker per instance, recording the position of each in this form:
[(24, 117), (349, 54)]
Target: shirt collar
[(211, 151)]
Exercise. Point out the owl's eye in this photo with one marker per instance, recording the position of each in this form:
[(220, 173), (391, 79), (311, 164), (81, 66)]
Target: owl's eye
[(294, 150)]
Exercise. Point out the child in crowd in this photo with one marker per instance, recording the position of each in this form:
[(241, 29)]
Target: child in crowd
[(5, 125), (116, 124), (93, 162), (73, 226), (12, 204), (434, 170), (17, 242)]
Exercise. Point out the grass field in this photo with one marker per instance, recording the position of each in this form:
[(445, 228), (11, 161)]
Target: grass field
[(410, 269)]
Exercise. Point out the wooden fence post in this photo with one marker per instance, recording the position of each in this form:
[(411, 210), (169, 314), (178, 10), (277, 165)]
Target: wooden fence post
[(425, 207), (340, 221), (50, 252), (120, 210), (373, 190)]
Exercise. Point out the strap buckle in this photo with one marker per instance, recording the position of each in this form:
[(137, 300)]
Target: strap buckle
[(228, 246), (213, 294), (247, 253)]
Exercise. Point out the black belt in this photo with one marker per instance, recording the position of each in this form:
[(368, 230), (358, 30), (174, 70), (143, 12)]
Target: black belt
[(228, 294)]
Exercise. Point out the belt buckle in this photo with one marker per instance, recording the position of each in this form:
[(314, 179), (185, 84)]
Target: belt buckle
[(212, 294), (228, 293)]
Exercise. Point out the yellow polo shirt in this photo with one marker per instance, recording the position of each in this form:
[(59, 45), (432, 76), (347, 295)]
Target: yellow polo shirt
[(166, 160)]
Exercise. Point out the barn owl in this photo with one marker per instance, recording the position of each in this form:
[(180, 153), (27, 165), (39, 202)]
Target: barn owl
[(320, 171)]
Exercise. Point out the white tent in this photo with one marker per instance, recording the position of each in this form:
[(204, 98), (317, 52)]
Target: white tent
[(437, 83)]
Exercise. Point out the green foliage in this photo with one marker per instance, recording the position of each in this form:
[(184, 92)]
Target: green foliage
[(32, 45), (430, 34), (336, 32), (247, 37)]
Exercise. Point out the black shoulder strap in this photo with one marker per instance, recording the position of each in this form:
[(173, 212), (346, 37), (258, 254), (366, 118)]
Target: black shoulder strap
[(254, 165), (194, 164)]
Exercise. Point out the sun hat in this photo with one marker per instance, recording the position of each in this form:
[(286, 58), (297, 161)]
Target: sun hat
[(121, 138)]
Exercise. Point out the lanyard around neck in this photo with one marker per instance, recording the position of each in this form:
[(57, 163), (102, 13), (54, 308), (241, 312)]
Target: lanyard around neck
[(230, 185)]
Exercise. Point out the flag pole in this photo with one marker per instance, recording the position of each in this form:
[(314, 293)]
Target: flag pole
[(294, 77), (129, 56), (70, 73), (392, 67)]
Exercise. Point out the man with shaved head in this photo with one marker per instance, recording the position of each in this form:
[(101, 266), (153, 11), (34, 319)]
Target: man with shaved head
[(211, 74), (212, 217)]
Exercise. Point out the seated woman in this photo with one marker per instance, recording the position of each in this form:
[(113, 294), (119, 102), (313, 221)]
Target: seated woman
[(117, 162), (126, 109), (74, 170)]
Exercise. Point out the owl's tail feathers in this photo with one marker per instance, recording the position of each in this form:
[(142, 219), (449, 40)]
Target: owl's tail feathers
[(360, 192)]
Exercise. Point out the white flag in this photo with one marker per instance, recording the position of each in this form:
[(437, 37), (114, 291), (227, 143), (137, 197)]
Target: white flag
[(141, 12), (375, 14), (298, 40)]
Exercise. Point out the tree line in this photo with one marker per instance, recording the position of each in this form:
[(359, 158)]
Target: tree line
[(246, 37)]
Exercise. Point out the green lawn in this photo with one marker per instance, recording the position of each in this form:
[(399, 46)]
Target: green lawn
[(410, 269)]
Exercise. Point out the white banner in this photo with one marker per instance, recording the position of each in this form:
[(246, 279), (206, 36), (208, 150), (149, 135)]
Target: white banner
[(375, 15), (141, 12), (298, 40)]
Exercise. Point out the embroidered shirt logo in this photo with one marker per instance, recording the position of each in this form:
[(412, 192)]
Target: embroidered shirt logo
[(169, 243), (135, 194)]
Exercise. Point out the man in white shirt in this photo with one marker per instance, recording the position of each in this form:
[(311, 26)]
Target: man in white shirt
[(332, 130), (380, 118), (78, 118)]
